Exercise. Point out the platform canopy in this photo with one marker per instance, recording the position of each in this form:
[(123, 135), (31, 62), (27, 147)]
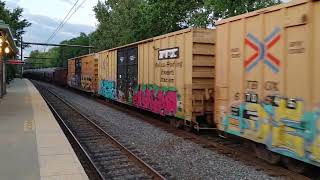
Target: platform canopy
[(7, 42), (16, 62)]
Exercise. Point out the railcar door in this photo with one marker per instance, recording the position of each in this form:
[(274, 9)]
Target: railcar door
[(127, 73), (132, 78)]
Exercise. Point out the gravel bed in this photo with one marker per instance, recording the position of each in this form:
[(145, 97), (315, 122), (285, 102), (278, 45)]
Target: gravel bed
[(181, 158)]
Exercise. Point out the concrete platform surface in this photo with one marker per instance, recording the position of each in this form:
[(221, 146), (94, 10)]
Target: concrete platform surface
[(32, 145)]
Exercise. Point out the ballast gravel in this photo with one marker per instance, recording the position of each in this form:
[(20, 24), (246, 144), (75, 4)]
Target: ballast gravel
[(181, 158)]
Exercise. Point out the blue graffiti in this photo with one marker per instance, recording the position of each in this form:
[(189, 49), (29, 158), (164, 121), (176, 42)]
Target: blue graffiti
[(108, 89)]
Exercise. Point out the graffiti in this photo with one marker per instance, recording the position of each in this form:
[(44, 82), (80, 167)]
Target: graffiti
[(281, 123), (86, 82), (74, 81), (271, 86), (160, 100), (108, 89), (261, 51), (121, 96), (237, 96), (253, 85)]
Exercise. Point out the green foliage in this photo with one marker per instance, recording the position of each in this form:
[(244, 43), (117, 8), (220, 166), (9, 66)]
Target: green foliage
[(58, 56), (228, 8), (120, 22), (126, 21), (36, 60), (14, 19), (11, 72), (17, 25)]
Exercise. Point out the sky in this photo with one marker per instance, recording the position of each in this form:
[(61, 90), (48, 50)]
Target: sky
[(46, 15)]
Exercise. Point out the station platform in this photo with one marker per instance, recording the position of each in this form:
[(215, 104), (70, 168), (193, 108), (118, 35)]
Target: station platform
[(32, 144)]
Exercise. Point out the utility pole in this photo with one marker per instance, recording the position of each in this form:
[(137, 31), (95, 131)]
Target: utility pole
[(21, 48), (21, 54), (89, 44)]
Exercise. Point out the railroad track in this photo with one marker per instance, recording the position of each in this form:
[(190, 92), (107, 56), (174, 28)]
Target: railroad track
[(230, 147), (106, 157)]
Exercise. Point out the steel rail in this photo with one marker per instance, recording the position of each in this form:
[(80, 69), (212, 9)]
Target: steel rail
[(60, 119), (148, 169)]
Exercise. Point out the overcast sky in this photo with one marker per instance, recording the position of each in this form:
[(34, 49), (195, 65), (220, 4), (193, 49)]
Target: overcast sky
[(46, 15)]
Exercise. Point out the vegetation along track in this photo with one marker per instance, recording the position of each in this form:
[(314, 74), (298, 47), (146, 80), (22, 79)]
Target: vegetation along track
[(108, 157)]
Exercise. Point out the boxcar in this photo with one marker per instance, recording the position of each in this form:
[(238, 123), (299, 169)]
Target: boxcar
[(60, 76), (171, 75), (83, 73), (267, 86)]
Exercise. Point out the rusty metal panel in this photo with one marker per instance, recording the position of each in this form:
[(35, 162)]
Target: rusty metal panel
[(266, 84), (89, 74), (83, 73), (71, 72)]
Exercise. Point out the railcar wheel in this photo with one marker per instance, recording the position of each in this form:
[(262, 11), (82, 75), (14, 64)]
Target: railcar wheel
[(295, 165), (265, 154), (188, 128), (179, 124), (172, 122)]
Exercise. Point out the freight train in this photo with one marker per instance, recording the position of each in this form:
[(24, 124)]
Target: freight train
[(55, 75), (254, 76)]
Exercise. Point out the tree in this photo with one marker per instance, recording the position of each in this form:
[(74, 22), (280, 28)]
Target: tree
[(217, 9), (120, 22), (14, 19), (126, 21), (58, 56), (65, 53), (17, 25)]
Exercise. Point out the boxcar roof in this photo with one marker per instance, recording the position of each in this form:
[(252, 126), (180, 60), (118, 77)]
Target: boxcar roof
[(262, 11), (140, 42), (86, 55)]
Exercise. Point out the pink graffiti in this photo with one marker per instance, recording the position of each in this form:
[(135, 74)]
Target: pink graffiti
[(163, 103)]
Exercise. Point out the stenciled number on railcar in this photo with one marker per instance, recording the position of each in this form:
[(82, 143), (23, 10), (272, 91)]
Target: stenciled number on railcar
[(291, 103), (251, 98), (172, 53)]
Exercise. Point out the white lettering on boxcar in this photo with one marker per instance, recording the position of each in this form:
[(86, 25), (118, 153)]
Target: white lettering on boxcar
[(172, 53)]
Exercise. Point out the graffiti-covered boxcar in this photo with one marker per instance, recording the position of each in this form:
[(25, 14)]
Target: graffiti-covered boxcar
[(267, 86), (170, 75), (83, 73)]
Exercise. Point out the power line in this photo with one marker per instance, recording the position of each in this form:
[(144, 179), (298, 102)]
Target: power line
[(77, 8), (59, 45), (62, 22)]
